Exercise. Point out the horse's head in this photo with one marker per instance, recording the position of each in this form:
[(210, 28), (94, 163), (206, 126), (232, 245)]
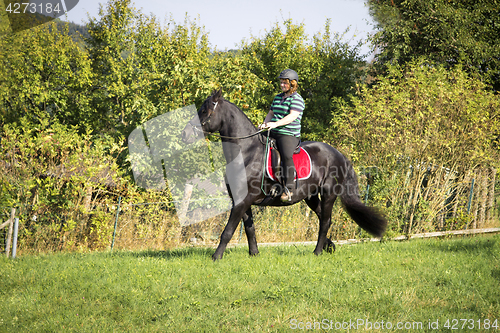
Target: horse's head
[(207, 120)]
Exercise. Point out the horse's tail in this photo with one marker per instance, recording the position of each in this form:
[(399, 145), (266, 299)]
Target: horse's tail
[(366, 217)]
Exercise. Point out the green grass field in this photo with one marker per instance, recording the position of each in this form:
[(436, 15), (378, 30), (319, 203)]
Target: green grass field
[(365, 287)]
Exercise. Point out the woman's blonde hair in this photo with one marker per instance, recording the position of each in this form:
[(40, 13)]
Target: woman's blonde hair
[(294, 85)]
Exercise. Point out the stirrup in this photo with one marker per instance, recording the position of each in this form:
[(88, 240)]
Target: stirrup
[(286, 195)]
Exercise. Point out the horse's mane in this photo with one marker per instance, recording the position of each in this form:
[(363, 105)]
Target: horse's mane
[(237, 108)]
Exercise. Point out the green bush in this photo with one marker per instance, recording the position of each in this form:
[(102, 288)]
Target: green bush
[(428, 131), (55, 177)]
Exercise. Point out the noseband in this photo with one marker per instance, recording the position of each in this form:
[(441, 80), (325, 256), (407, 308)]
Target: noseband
[(198, 128), (210, 113)]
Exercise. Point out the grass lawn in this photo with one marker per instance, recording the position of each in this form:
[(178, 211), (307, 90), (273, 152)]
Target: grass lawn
[(419, 285)]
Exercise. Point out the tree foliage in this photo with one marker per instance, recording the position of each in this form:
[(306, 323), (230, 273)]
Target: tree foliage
[(56, 176), (419, 135), (132, 69), (143, 69), (44, 72), (447, 32), (120, 77), (427, 113)]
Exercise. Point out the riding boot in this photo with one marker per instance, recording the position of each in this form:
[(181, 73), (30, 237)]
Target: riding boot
[(289, 182)]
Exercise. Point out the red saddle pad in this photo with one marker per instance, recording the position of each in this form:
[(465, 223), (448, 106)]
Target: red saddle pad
[(302, 162)]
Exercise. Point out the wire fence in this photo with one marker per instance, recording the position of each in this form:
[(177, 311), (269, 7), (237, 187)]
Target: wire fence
[(121, 224)]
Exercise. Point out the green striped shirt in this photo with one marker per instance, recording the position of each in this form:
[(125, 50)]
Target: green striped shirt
[(281, 108)]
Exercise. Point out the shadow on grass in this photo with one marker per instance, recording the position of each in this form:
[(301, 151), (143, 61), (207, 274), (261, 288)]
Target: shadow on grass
[(478, 244), (208, 252), (186, 252), (176, 253), (495, 273)]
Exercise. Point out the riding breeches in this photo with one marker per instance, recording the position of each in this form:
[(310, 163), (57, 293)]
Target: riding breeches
[(286, 146)]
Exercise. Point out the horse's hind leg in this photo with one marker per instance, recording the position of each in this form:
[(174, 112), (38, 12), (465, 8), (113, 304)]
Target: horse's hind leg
[(323, 209), (250, 232)]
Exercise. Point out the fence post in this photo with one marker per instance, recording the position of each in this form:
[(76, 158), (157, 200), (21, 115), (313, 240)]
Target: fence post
[(188, 191), (116, 222), (367, 191), (14, 242), (241, 231), (9, 233)]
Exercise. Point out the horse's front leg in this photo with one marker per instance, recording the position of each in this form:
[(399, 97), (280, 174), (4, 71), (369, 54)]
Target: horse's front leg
[(234, 219), (250, 232)]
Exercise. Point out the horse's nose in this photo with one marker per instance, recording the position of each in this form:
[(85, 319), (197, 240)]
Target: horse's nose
[(187, 134), (184, 136)]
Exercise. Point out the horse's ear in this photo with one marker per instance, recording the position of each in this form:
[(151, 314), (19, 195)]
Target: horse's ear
[(216, 95)]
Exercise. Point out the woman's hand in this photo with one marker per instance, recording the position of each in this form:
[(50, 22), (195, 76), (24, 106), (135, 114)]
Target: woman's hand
[(269, 125), (266, 122)]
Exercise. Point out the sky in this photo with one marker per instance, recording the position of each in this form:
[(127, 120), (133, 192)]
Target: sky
[(228, 22)]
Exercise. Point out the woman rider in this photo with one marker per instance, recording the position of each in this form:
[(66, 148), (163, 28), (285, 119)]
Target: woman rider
[(283, 120)]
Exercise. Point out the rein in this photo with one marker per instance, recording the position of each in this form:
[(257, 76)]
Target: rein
[(196, 128)]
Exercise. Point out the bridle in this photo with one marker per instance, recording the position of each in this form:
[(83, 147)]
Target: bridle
[(198, 127)]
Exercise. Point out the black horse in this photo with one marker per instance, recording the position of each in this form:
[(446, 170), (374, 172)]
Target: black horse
[(332, 176)]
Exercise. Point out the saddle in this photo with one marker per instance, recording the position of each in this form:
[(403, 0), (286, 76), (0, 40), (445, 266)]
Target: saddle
[(301, 159)]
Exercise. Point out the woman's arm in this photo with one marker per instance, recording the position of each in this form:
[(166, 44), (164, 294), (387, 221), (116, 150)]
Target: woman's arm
[(282, 122), (269, 117)]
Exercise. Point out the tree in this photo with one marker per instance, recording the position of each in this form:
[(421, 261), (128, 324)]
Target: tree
[(425, 113), (447, 32), (118, 80), (56, 175), (141, 69), (44, 73)]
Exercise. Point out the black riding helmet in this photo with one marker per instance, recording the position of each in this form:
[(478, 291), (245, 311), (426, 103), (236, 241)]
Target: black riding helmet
[(289, 74)]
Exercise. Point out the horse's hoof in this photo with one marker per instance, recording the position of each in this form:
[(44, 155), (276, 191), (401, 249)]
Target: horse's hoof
[(216, 257), (329, 246), (253, 254)]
